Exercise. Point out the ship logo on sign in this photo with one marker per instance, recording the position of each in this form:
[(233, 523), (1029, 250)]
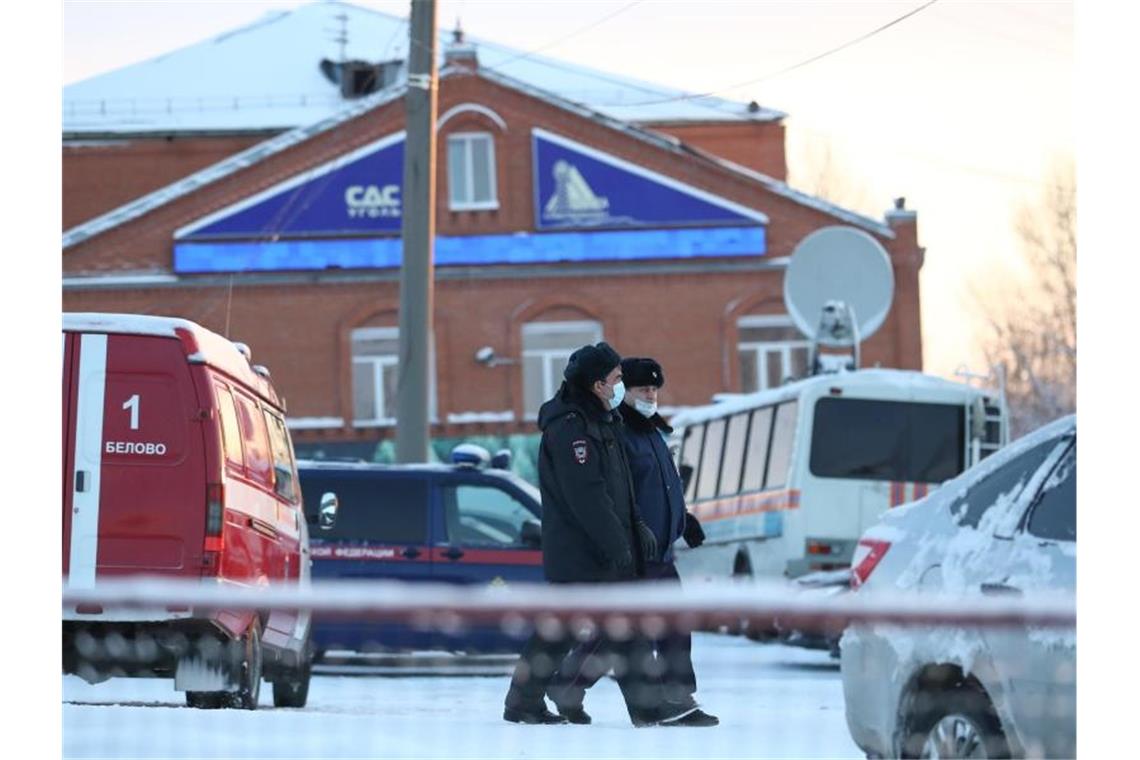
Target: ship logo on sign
[(573, 199)]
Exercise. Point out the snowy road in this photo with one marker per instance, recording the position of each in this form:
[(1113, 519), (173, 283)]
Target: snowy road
[(773, 701)]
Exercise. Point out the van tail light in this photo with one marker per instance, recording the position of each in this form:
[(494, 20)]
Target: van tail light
[(868, 553), (215, 512)]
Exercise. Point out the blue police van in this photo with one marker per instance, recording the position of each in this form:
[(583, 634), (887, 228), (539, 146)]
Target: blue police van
[(469, 522)]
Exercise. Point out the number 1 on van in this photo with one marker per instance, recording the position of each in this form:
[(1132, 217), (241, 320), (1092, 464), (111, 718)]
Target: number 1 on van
[(133, 404)]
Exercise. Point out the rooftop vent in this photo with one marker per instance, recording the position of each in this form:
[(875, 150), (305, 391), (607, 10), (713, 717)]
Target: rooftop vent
[(460, 52), (360, 78)]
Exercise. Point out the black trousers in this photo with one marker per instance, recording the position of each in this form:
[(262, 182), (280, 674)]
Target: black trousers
[(585, 664), (538, 671)]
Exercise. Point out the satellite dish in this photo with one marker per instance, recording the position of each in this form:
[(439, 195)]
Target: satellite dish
[(838, 264)]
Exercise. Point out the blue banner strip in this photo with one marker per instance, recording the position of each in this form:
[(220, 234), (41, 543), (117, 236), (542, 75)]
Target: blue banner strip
[(521, 248)]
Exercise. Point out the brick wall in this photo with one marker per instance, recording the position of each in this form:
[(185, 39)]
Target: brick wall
[(300, 325), (99, 176), (756, 145)]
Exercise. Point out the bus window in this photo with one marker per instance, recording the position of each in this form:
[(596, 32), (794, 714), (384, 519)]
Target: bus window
[(733, 454), (783, 436), (691, 455), (887, 440), (757, 450), (710, 459)]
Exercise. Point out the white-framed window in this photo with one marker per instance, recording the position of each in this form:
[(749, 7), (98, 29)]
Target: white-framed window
[(471, 171), (546, 347), (375, 373), (771, 350)]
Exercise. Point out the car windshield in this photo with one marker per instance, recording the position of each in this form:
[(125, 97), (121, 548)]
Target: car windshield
[(887, 440), (523, 486)]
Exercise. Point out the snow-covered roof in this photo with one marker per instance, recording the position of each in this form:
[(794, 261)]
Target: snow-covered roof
[(263, 150), (131, 324), (267, 76), (226, 167)]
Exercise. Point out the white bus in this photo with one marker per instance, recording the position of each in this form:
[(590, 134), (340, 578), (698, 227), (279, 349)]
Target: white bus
[(784, 481)]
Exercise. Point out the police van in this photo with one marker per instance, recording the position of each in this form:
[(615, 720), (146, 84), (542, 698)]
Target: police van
[(472, 521), (177, 465)]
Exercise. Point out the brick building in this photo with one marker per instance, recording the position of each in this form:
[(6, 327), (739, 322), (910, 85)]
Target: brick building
[(660, 225)]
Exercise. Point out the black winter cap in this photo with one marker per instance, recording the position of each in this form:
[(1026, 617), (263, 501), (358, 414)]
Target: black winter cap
[(640, 371), (589, 364)]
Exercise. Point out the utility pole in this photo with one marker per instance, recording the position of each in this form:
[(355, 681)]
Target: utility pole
[(417, 273)]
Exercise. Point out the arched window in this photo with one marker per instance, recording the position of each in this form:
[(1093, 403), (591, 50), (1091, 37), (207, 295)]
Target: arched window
[(771, 350), (545, 348), (375, 371)]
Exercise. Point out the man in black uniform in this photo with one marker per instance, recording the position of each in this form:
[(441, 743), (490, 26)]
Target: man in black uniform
[(661, 506), (590, 533)]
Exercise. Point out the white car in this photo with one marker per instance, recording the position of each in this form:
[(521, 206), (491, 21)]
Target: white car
[(1004, 527)]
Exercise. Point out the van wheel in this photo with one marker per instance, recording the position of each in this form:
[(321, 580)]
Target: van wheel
[(206, 700), (248, 670), (243, 659), (291, 688)]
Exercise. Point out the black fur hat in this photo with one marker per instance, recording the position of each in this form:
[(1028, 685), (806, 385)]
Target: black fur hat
[(638, 372), (589, 364)]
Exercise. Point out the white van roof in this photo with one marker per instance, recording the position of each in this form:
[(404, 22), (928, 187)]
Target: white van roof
[(212, 349), (906, 381)]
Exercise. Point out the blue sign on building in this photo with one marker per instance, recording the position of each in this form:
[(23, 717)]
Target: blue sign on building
[(346, 214), (356, 193), (197, 257), (579, 186)]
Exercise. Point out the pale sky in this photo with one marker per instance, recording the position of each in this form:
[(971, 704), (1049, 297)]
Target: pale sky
[(961, 108)]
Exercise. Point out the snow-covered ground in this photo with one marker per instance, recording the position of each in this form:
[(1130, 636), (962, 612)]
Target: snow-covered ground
[(773, 701)]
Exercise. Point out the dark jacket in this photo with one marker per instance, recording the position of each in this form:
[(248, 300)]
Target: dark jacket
[(656, 484), (588, 510)]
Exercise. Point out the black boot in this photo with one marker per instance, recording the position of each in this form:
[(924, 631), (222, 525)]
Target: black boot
[(574, 715), (697, 717), (535, 715)]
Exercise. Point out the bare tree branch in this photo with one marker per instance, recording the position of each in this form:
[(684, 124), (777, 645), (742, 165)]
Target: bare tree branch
[(1033, 331)]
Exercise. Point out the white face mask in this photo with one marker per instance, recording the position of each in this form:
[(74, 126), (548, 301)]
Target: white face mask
[(619, 394), (646, 408)]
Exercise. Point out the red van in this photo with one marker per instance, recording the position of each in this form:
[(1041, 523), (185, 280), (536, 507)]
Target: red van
[(177, 465)]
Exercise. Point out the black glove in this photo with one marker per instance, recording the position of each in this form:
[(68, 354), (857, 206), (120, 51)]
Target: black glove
[(624, 566), (694, 534), (648, 542)]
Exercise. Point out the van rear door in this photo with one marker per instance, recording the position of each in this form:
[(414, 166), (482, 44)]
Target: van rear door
[(68, 439), (138, 473)]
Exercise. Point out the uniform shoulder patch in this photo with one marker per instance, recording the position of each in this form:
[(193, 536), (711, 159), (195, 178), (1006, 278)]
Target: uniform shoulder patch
[(581, 450)]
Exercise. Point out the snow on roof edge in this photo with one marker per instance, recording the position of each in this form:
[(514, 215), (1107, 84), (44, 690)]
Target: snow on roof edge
[(799, 196), (260, 151), (676, 145), (226, 167)]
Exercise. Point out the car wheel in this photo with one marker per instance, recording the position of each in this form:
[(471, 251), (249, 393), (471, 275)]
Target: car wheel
[(957, 723), (248, 670), (291, 688)]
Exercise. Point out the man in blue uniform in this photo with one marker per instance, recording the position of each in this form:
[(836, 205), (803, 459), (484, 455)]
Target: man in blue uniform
[(661, 507)]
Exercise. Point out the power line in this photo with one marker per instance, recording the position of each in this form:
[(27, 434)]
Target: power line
[(935, 160), (793, 67), (560, 40)]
